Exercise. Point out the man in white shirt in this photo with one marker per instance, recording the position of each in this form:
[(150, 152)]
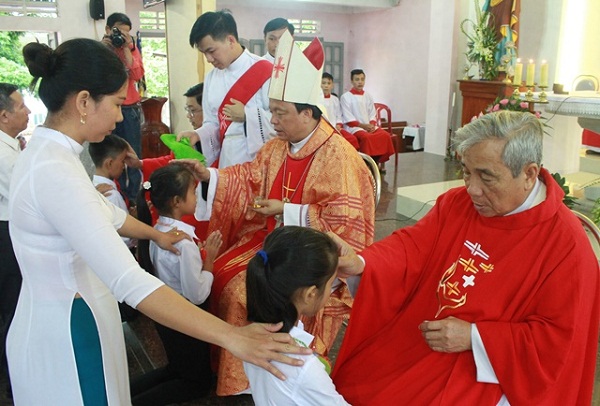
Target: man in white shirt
[(14, 116), (273, 30), (236, 102)]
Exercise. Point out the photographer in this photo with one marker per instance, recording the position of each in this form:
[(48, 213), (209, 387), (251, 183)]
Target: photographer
[(117, 37)]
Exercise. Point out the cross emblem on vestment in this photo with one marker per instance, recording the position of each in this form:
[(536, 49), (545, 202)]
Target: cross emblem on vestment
[(288, 189), (280, 67), (222, 119), (469, 280)]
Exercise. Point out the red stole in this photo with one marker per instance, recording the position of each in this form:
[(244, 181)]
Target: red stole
[(245, 87), (235, 261)]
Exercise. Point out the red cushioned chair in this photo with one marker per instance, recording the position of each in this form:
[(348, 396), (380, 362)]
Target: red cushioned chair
[(381, 108)]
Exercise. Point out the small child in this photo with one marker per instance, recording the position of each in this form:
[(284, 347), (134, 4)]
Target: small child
[(292, 276), (358, 112), (188, 375), (334, 111), (109, 159)]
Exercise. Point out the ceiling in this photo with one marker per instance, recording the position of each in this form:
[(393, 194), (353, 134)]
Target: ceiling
[(334, 6)]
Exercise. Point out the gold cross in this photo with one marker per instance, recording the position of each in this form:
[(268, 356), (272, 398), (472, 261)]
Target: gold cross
[(288, 189)]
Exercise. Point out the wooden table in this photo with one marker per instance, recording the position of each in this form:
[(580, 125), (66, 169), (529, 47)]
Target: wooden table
[(478, 94)]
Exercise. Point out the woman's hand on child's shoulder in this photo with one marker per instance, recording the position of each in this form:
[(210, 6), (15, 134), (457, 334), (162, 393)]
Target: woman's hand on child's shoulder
[(259, 344)]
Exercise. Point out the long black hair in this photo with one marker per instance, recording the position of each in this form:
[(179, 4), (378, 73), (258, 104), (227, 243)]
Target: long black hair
[(164, 184), (292, 258)]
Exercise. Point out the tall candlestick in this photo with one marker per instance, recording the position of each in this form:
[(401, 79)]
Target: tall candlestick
[(518, 78), (544, 74), (530, 73)]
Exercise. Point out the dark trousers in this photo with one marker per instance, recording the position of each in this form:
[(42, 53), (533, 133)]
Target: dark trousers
[(10, 285), (130, 130), (186, 377)]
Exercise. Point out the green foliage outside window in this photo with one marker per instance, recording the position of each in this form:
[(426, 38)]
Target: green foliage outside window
[(154, 55), (12, 66)]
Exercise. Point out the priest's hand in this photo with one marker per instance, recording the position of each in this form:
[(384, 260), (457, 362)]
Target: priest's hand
[(447, 335), (267, 207), (235, 111), (200, 172), (349, 264), (192, 135)]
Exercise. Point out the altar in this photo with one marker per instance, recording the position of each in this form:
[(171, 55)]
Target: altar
[(565, 115)]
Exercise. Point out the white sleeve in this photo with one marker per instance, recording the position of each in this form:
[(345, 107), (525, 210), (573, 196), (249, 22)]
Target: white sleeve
[(195, 283), (88, 222), (346, 105), (295, 214), (210, 140), (315, 387), (370, 107), (258, 120), (204, 207), (485, 371), (353, 281)]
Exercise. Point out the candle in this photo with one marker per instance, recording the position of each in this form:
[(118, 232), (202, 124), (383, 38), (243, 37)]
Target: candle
[(530, 73), (544, 74), (518, 78)]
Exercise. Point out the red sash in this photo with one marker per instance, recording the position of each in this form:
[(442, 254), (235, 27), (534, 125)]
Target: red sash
[(245, 87)]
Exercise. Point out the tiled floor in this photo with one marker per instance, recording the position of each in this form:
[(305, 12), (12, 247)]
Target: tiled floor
[(144, 349)]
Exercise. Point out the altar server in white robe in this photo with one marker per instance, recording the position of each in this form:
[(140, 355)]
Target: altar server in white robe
[(235, 102)]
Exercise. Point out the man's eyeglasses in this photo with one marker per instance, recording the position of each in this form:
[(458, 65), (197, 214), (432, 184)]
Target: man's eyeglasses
[(192, 111)]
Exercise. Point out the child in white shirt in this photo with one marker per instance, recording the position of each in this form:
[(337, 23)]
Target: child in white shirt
[(292, 276), (171, 190), (109, 159)]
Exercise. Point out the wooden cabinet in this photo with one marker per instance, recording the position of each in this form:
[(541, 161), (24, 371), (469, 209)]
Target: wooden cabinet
[(478, 94)]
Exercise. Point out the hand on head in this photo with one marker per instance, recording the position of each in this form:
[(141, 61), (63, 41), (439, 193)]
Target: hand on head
[(200, 172), (132, 160), (349, 264)]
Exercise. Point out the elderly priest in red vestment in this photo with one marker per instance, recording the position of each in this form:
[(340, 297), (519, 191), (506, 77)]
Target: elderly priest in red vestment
[(308, 176), (491, 299)]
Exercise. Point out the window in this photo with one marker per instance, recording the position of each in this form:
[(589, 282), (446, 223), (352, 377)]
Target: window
[(152, 21), (305, 26), (29, 8)]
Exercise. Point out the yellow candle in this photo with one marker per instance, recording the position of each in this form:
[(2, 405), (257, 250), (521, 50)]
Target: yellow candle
[(544, 74), (530, 73), (518, 78)]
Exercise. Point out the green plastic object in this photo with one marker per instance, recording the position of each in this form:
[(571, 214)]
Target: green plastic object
[(181, 149)]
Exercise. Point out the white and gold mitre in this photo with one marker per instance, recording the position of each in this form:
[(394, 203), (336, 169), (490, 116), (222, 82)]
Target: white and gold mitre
[(296, 76)]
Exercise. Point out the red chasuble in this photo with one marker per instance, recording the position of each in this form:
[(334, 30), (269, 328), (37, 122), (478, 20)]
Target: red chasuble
[(529, 282)]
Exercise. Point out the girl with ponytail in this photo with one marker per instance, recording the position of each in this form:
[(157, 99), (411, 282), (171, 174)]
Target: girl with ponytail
[(292, 276)]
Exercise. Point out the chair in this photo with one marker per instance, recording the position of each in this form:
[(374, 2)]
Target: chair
[(396, 139), (372, 165), (592, 231), (585, 82)]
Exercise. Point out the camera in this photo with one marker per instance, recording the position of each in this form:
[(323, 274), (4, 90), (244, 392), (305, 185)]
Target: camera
[(117, 38)]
